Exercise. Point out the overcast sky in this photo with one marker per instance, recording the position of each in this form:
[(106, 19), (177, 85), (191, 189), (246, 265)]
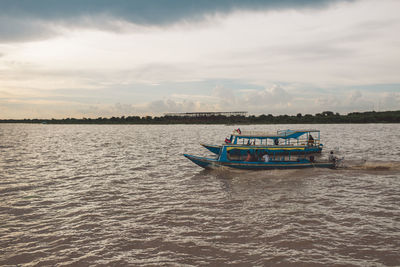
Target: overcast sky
[(92, 58)]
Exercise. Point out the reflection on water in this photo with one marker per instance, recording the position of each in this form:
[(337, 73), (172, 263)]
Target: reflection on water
[(124, 195)]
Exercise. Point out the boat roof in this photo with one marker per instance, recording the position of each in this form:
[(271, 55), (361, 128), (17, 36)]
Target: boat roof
[(284, 134)]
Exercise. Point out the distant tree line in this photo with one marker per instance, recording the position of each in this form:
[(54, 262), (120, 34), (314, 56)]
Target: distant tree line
[(323, 117)]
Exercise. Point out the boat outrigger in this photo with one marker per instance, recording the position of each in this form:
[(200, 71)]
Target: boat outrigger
[(297, 150)]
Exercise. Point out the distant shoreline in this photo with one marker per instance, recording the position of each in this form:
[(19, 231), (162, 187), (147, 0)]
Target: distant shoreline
[(326, 117)]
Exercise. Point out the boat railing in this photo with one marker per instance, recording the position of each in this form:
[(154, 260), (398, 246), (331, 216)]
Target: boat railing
[(254, 133), (289, 132), (315, 142)]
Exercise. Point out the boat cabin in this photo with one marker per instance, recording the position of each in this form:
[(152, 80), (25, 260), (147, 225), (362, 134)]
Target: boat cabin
[(255, 154), (282, 137)]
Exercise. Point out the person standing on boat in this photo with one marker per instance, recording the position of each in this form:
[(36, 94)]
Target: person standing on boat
[(265, 157), (332, 157), (310, 140), (249, 156)]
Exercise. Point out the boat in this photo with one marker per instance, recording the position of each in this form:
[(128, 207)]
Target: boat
[(298, 150), (228, 158), (306, 141)]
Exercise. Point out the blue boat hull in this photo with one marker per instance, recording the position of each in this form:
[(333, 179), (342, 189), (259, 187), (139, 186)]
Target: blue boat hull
[(210, 163)]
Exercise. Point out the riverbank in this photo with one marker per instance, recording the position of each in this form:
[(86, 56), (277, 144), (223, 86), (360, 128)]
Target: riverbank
[(325, 117)]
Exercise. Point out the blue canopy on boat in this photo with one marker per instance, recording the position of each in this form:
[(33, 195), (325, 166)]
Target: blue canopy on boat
[(284, 134)]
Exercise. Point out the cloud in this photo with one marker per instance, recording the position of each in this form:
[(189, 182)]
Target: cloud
[(159, 107), (144, 12), (17, 29), (354, 96), (277, 100), (345, 101), (39, 19), (124, 109), (223, 99), (389, 101), (272, 100), (275, 96), (225, 96), (270, 57)]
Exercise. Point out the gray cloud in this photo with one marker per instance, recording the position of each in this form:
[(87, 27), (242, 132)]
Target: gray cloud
[(275, 96), (20, 29), (26, 19), (225, 95), (390, 101), (275, 100), (169, 105), (355, 96), (257, 101), (148, 12)]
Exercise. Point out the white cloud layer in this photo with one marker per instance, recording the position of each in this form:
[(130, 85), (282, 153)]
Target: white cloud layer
[(344, 57)]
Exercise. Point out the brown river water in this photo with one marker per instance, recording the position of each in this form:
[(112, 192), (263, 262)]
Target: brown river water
[(123, 195)]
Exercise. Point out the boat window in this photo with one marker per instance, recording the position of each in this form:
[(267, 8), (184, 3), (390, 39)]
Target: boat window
[(234, 154)]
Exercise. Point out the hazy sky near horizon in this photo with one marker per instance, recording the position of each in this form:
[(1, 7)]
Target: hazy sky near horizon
[(87, 58)]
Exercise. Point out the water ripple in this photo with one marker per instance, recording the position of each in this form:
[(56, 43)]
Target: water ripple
[(124, 195)]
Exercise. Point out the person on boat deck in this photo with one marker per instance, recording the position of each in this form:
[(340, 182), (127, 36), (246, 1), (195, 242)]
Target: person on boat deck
[(332, 157), (310, 140), (265, 157), (260, 155), (276, 142), (249, 157), (227, 141)]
